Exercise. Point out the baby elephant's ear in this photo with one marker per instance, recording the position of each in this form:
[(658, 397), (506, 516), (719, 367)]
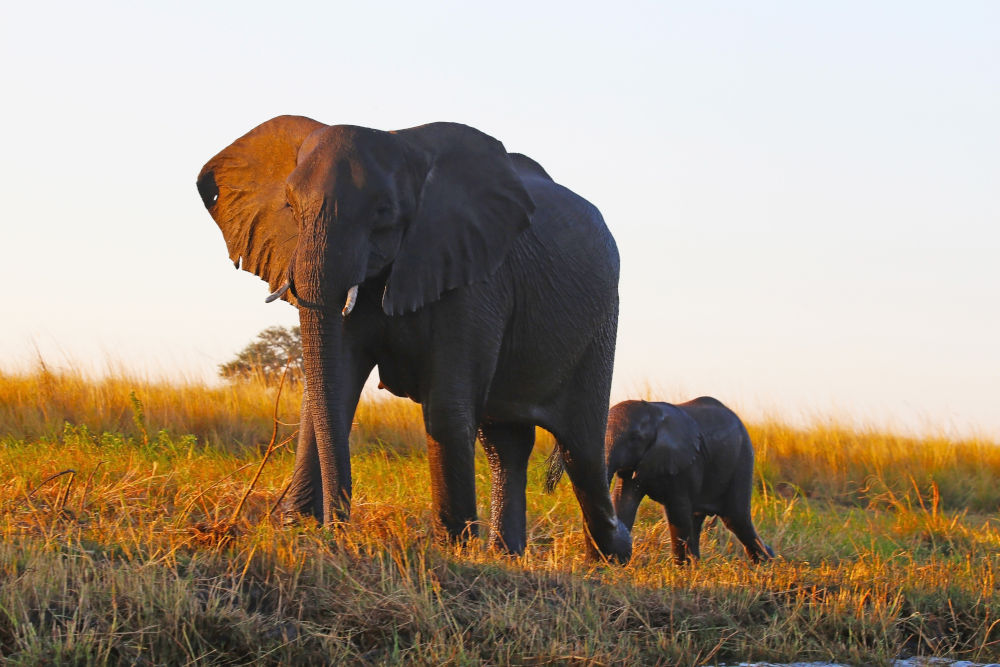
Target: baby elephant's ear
[(678, 441)]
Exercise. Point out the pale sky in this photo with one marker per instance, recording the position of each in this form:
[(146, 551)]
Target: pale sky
[(805, 195)]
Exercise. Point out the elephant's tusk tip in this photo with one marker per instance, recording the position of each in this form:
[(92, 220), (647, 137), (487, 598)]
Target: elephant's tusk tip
[(278, 293), (352, 298)]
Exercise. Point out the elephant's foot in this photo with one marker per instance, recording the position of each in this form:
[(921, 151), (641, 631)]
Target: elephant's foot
[(614, 548), (685, 561), (289, 518), (337, 513), (762, 553), (510, 547), (304, 503), (685, 553), (290, 515), (757, 550), (301, 502), (458, 534)]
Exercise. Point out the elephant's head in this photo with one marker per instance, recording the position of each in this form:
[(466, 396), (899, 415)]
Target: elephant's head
[(316, 210), (649, 440)]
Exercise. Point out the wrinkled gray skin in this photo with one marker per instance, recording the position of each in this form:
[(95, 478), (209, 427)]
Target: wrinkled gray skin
[(696, 459), (487, 293)]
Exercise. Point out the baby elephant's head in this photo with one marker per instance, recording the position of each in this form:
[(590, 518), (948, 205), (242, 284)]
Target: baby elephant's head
[(649, 439)]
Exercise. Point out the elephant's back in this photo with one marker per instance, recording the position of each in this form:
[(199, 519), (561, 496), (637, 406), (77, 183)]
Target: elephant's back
[(561, 277), (715, 419), (566, 262), (567, 235), (729, 451)]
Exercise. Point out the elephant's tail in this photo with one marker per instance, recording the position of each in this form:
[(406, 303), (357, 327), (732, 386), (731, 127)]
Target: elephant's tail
[(556, 468)]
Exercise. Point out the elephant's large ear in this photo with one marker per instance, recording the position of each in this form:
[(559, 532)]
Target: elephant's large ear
[(243, 187), (677, 444), (471, 208)]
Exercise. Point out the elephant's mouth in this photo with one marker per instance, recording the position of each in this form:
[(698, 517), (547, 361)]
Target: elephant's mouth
[(624, 473), (349, 302)]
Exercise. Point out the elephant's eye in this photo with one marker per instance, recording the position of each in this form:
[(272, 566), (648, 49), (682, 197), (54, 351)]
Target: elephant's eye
[(382, 208)]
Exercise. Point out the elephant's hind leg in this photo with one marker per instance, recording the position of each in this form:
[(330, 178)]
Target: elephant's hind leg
[(737, 513), (606, 535), (508, 447), (743, 528), (579, 431), (696, 523)]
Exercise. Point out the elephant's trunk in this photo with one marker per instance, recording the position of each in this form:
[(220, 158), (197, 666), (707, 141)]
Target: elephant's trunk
[(326, 379), (619, 458), (612, 465)]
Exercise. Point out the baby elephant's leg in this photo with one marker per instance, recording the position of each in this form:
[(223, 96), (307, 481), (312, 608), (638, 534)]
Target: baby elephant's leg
[(695, 544), (683, 537), (743, 528)]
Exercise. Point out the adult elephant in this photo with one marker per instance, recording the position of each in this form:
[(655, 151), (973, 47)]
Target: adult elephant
[(480, 288)]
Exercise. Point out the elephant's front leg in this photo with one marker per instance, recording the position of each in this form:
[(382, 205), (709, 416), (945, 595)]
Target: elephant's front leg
[(451, 454), (508, 447), (681, 520)]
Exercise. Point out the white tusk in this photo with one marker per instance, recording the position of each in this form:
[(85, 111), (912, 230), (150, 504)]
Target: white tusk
[(352, 298), (278, 293)]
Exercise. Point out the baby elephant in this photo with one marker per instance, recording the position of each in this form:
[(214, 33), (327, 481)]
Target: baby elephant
[(695, 459)]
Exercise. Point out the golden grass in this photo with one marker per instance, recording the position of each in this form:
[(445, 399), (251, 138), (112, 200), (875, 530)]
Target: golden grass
[(38, 403), (888, 546), (868, 466)]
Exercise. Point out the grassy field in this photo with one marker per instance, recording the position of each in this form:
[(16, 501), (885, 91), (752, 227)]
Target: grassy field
[(889, 546)]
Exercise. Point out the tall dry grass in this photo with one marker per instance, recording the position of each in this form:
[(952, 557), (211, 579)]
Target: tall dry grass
[(38, 403), (871, 467), (823, 461), (116, 561)]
